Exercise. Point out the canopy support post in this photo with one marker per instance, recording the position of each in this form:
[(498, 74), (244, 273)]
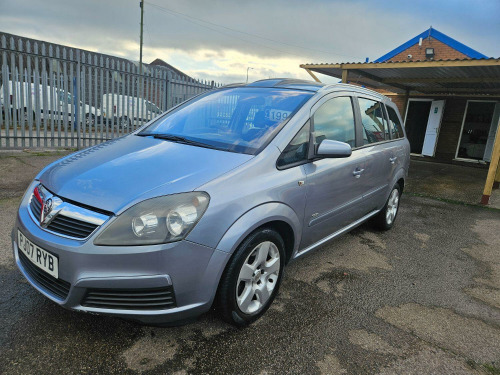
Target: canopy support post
[(313, 75), (492, 171), (496, 183), (345, 74), (406, 101)]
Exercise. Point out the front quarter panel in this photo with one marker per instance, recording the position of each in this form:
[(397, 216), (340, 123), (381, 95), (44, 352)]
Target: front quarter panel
[(254, 190), (255, 218)]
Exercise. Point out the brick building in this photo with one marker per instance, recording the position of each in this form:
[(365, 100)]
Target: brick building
[(448, 94)]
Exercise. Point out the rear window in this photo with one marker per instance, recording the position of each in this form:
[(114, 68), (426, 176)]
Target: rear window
[(373, 121), (395, 125)]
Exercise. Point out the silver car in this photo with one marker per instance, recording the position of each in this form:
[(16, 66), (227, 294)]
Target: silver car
[(205, 205)]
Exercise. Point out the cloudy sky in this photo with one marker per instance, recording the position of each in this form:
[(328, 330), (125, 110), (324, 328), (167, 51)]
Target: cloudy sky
[(219, 39)]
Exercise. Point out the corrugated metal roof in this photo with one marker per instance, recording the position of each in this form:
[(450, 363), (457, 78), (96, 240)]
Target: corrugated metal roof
[(399, 62), (477, 76)]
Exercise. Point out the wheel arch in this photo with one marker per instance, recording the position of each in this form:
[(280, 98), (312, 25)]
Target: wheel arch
[(401, 183), (274, 215), (399, 178)]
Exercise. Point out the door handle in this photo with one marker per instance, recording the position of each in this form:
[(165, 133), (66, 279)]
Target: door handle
[(357, 172), (393, 159)]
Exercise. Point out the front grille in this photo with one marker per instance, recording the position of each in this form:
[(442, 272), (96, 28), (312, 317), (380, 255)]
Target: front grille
[(64, 224), (57, 287), (71, 227), (131, 299), (36, 207)]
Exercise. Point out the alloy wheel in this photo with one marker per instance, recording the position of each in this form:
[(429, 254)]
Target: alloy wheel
[(89, 121), (392, 206), (258, 277)]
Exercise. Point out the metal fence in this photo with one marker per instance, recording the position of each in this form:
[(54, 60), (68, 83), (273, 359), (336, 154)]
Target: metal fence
[(53, 96)]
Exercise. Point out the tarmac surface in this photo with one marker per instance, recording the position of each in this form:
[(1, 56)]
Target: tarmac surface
[(451, 182), (422, 298)]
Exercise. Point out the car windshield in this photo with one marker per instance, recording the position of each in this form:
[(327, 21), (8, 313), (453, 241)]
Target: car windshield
[(240, 119)]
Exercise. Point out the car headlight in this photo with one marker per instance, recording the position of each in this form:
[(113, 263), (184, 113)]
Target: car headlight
[(154, 221)]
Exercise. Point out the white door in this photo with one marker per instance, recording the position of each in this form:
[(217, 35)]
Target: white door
[(433, 125), (491, 135)]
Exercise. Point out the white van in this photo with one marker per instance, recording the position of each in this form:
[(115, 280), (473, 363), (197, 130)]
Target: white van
[(63, 101), (127, 110)]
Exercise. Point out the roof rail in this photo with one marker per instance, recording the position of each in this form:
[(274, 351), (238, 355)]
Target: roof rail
[(232, 85), (274, 82), (354, 88)]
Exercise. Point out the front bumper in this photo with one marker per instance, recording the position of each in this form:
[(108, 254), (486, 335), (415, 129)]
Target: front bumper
[(190, 270)]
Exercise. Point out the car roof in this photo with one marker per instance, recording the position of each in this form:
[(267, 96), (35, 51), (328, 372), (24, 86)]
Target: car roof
[(298, 84), (301, 84)]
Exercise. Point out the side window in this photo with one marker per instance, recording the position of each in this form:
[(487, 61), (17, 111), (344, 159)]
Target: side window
[(372, 118), (297, 149), (395, 124), (335, 120)]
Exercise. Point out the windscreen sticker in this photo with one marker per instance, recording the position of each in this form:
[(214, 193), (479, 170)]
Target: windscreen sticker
[(276, 114)]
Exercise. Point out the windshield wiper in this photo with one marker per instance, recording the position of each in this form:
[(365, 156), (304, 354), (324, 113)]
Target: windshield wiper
[(179, 139)]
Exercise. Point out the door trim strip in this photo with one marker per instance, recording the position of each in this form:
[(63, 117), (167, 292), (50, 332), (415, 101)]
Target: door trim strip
[(337, 233), (323, 216), (375, 190)]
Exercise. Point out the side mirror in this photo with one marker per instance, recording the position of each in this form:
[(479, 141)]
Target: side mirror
[(333, 149)]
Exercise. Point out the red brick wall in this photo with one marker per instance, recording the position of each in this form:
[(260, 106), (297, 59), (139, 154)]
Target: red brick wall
[(441, 51), (400, 101)]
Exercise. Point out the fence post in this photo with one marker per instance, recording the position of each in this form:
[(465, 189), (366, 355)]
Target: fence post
[(71, 90), (163, 101), (53, 99), (76, 88), (127, 101), (14, 92), (60, 119), (6, 89), (44, 99), (36, 89), (22, 92), (169, 93)]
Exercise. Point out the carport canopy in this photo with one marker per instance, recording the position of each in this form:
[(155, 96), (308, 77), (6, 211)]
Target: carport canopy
[(465, 77), (456, 77)]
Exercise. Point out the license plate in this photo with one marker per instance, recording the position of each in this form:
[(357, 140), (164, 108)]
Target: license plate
[(38, 256)]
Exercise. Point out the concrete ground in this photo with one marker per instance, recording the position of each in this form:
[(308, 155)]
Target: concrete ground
[(423, 298), (451, 182)]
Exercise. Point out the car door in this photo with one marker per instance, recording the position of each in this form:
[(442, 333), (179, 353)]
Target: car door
[(398, 150), (377, 150), (335, 186)]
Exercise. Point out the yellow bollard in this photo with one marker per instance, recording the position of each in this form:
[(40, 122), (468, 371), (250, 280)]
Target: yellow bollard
[(496, 183), (492, 171)]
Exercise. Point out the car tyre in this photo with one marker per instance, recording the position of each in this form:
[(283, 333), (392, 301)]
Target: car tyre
[(387, 216), (26, 116), (90, 121), (252, 278), (124, 123)]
